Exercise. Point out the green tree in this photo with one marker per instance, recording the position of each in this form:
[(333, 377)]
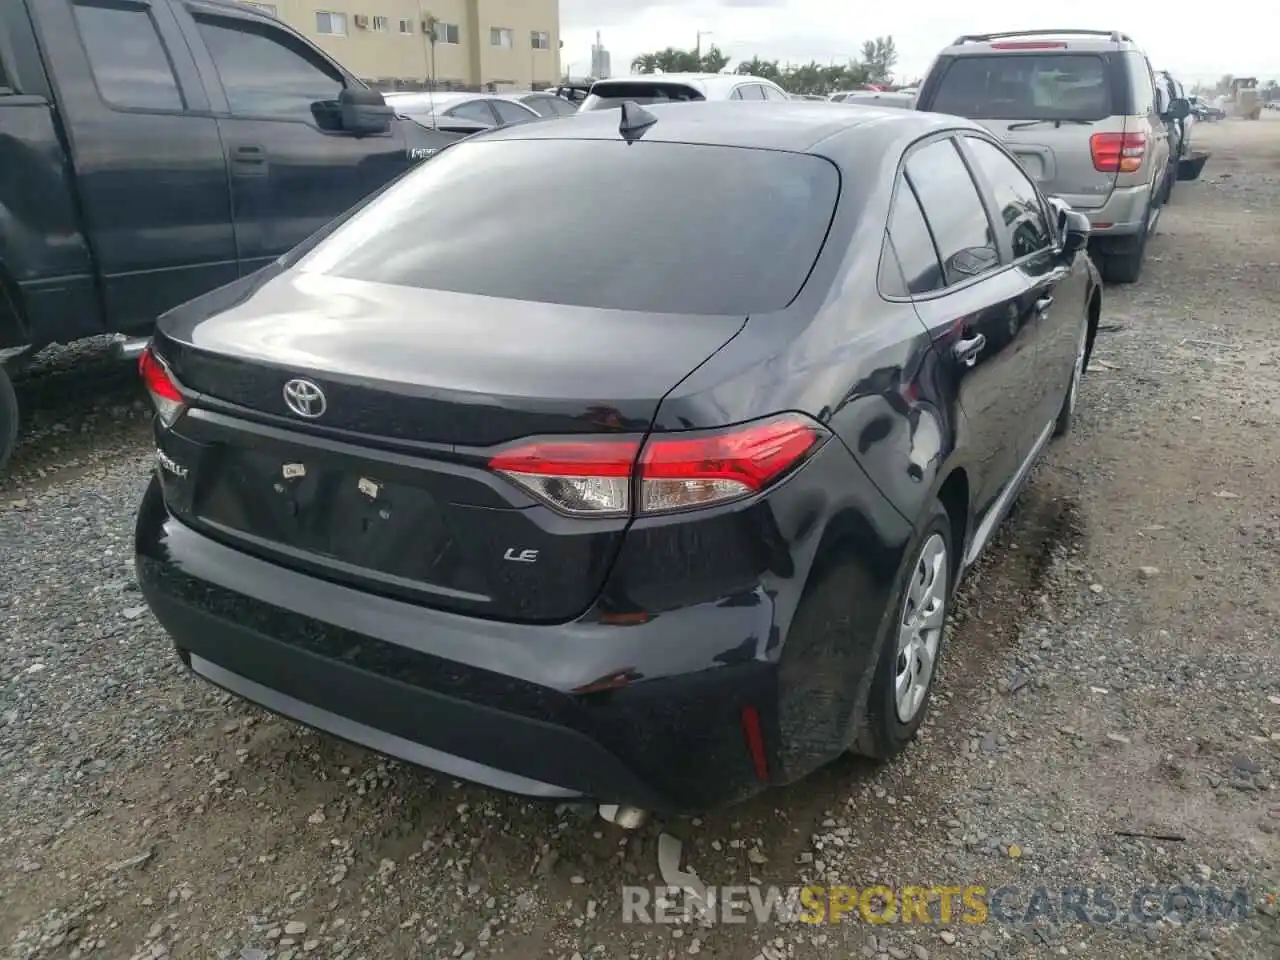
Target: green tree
[(756, 67), (676, 60), (879, 57)]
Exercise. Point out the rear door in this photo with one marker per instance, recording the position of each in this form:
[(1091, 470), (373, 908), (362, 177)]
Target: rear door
[(292, 170), (151, 179), (972, 306), (1045, 104)]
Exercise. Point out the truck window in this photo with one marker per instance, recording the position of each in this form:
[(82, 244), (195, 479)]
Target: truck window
[(5, 85), (127, 57), (263, 73)]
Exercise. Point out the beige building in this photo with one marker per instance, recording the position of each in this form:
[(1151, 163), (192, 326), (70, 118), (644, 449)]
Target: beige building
[(506, 43)]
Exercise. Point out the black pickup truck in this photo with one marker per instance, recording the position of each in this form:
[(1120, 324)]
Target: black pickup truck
[(151, 150)]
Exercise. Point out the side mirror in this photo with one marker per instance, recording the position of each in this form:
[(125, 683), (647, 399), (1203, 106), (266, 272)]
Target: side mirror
[(1075, 231), (1179, 108), (364, 112)]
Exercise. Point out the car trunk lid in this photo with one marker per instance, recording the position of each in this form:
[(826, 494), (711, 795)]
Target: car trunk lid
[(386, 487)]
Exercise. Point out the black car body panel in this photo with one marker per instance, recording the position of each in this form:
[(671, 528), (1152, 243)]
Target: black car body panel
[(623, 668)]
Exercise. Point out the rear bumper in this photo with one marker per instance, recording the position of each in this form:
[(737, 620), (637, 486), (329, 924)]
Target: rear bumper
[(1124, 213), (495, 703)]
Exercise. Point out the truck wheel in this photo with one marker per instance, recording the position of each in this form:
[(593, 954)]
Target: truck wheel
[(8, 419)]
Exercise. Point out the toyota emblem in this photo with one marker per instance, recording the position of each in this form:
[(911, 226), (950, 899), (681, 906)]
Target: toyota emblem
[(304, 398)]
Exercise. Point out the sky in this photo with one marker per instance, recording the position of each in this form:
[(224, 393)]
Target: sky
[(1193, 45)]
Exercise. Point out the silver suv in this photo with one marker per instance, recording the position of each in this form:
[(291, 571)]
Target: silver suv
[(1079, 109)]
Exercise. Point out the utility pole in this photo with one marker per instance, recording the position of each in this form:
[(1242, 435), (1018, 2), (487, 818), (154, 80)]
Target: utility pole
[(697, 47)]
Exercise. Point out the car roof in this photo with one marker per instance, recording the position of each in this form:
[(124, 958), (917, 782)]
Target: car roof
[(706, 81), (792, 125), (1019, 41)]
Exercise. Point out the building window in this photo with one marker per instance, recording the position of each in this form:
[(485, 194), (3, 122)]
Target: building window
[(381, 25), (264, 7), (541, 40), (447, 33), (500, 37), (331, 24), (406, 26)]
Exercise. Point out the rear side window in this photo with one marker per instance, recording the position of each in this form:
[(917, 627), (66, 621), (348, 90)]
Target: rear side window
[(653, 227), (916, 269), (6, 85), (127, 57), (509, 112), (265, 75), (542, 105), (1066, 86), (952, 206), (604, 95), (1144, 91), (772, 93)]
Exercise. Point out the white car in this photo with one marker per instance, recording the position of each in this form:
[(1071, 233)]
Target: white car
[(680, 88)]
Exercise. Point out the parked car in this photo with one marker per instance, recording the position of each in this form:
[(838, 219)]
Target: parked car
[(461, 114), (544, 104), (1207, 112), (680, 88), (624, 523), (151, 152), (900, 99), (574, 92), (1079, 110), (1188, 162)]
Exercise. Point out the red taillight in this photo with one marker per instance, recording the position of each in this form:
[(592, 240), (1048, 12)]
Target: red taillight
[(1029, 45), (1118, 152), (675, 471), (160, 384)]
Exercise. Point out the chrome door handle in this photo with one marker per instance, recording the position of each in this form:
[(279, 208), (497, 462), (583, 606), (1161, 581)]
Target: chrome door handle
[(1043, 305), (966, 351)]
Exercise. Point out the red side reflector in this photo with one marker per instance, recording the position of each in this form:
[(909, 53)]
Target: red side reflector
[(1029, 45), (755, 742)]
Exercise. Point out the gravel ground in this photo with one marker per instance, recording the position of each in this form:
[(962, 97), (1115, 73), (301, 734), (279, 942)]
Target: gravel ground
[(1109, 715)]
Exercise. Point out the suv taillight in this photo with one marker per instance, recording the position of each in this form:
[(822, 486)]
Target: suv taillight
[(1118, 152), (608, 477), (163, 389)]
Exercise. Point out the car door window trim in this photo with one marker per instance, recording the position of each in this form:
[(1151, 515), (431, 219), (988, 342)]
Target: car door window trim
[(900, 173), (976, 173)]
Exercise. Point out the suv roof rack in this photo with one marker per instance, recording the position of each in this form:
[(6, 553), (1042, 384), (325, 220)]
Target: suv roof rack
[(1115, 35)]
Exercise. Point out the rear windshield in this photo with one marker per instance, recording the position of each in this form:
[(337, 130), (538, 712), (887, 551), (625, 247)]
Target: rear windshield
[(1065, 86), (654, 227), (604, 95)]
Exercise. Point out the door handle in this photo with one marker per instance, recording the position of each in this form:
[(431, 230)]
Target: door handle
[(966, 351), (250, 154), (1043, 305)]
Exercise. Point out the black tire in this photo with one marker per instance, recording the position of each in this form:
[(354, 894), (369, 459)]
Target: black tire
[(8, 419), (883, 734), (1122, 263), (1066, 414)]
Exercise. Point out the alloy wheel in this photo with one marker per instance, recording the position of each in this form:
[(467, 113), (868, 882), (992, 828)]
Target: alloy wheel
[(920, 627)]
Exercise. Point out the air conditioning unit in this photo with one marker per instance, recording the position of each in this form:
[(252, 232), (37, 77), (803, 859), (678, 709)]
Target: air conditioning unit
[(362, 21)]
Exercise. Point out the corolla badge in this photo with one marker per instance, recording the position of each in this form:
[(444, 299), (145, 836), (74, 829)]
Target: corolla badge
[(305, 399)]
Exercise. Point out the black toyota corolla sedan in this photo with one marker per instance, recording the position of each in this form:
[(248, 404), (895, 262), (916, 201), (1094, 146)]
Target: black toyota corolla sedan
[(631, 458)]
